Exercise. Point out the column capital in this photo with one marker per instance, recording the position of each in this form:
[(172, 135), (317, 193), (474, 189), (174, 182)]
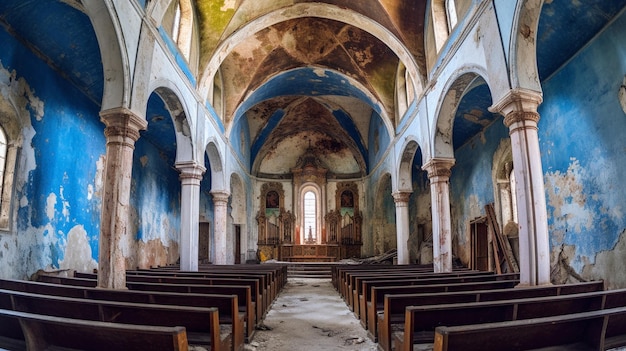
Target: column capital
[(190, 170), (401, 197), (220, 196), (439, 167), (123, 122), (518, 105)]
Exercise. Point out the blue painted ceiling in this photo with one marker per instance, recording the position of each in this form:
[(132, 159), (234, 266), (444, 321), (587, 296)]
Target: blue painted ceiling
[(565, 26)]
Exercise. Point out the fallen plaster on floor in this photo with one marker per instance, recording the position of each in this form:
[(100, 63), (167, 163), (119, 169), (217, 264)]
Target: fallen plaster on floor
[(309, 314)]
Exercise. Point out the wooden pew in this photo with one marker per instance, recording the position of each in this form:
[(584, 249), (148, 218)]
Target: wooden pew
[(201, 324), (276, 273), (362, 293), (395, 304), (195, 285), (172, 277), (355, 282), (421, 321), (194, 296), (225, 304), (268, 280), (595, 330), (348, 281), (340, 273), (378, 299), (43, 332)]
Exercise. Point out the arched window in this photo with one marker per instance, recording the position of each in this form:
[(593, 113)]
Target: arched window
[(513, 196), (309, 209), (8, 155), (179, 21), (440, 22), (3, 159), (451, 12), (176, 24)]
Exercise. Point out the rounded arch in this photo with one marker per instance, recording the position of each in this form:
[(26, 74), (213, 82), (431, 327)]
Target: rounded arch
[(405, 164), (321, 10), (239, 215), (115, 61), (169, 93), (216, 166), (383, 235), (523, 46), (501, 176), (455, 88), (316, 217), (352, 88)]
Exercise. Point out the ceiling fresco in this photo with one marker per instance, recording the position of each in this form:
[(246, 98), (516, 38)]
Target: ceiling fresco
[(316, 79)]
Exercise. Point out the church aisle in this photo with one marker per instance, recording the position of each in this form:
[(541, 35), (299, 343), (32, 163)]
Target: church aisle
[(310, 315)]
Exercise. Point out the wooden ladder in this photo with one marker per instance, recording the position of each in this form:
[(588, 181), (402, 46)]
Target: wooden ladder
[(500, 244)]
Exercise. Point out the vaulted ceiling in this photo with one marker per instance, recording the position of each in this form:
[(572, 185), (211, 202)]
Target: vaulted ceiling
[(302, 74)]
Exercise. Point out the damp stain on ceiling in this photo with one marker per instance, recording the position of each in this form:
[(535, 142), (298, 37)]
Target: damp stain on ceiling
[(305, 75)]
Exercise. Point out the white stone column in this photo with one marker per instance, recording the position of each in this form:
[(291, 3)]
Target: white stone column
[(439, 170), (190, 177), (220, 217), (401, 198), (519, 108), (122, 131)]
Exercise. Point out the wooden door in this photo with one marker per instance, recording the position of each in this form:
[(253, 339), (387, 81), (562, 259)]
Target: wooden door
[(237, 244), (204, 232), (480, 245)]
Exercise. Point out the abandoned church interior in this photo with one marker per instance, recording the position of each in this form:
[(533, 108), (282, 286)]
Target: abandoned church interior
[(477, 135)]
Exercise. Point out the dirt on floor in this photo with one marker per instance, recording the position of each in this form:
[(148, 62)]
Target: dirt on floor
[(309, 314)]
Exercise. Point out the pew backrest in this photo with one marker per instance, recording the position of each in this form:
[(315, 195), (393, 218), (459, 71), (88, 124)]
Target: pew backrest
[(41, 332)]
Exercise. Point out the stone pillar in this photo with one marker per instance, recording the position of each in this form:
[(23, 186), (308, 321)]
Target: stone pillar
[(220, 217), (190, 177), (401, 198), (439, 170), (519, 108), (122, 131)]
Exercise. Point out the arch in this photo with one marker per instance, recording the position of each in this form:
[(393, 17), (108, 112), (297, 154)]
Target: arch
[(501, 175), (441, 27), (457, 85), (169, 93), (523, 47), (115, 61), (352, 88), (215, 159), (185, 28), (321, 10), (315, 189), (405, 164), (239, 215), (11, 128), (383, 235)]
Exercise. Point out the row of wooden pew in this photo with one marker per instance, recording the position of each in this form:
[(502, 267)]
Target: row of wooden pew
[(409, 307), (217, 308)]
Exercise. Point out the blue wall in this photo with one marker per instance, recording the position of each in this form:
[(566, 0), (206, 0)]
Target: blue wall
[(155, 193), (378, 140), (581, 133), (471, 184), (67, 143)]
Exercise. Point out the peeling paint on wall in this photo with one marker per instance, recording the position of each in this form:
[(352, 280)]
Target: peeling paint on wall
[(78, 255)]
